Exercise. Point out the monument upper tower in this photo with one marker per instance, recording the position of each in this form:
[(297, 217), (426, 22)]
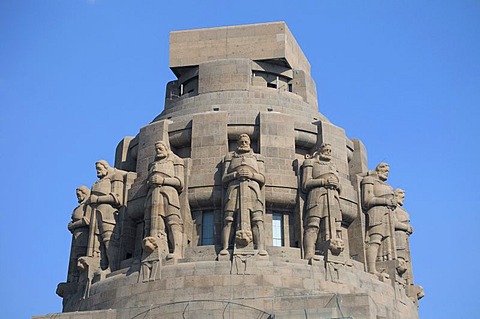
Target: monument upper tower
[(240, 200)]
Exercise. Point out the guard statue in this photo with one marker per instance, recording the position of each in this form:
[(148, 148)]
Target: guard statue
[(78, 226), (378, 201), (243, 177), (323, 215), (162, 206), (403, 230), (105, 200)]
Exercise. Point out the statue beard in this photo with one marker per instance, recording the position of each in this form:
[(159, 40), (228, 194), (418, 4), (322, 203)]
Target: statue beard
[(382, 176), (243, 149), (326, 158), (162, 155), (101, 175)]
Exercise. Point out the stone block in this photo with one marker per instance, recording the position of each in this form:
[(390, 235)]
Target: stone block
[(193, 47)]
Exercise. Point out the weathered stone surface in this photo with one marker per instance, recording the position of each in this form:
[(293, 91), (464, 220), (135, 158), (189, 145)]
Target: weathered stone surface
[(323, 222), (243, 177), (255, 41), (245, 164), (163, 217)]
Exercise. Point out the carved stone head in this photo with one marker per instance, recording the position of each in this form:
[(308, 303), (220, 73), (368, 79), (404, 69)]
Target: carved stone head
[(325, 152), (382, 171), (243, 143), (243, 237), (161, 150), (82, 264), (82, 193), (336, 246), (102, 168), (420, 292), (401, 266), (149, 244), (400, 196)]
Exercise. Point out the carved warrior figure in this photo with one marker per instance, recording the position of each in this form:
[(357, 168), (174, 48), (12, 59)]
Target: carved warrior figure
[(378, 200), (403, 229), (243, 177), (320, 180), (162, 207), (78, 226), (105, 200)]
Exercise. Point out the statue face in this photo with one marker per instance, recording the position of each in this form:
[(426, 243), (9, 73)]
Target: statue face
[(402, 266), (326, 153), (149, 244), (383, 172), (81, 196), (81, 264), (400, 197), (243, 144), (337, 246), (161, 150), (102, 171)]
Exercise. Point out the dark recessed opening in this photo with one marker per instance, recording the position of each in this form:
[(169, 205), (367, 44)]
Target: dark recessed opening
[(271, 85)]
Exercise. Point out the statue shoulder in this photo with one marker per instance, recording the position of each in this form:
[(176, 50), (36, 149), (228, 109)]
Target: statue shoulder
[(259, 157), (368, 180), (308, 162), (177, 160), (229, 156), (402, 213), (118, 175)]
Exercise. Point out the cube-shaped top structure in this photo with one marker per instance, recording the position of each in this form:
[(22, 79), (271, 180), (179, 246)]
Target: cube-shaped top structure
[(265, 41)]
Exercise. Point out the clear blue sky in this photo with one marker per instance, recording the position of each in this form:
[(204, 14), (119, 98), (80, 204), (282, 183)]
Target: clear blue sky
[(77, 76)]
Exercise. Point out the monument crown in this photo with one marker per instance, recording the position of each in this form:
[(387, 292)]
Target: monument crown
[(265, 41), (240, 194)]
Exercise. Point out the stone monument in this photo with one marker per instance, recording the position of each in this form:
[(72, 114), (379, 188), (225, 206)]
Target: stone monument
[(79, 227), (379, 202), (165, 181), (240, 200), (243, 177), (321, 181)]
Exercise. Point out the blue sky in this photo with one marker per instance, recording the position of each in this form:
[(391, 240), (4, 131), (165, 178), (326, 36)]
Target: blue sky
[(77, 76)]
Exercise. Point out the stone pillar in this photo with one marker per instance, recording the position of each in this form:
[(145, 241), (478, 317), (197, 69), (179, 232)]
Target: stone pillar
[(358, 167), (224, 75), (209, 146), (277, 145), (123, 157)]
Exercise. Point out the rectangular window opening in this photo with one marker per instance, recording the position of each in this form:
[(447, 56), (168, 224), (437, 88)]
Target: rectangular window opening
[(207, 228), (272, 85), (277, 229)]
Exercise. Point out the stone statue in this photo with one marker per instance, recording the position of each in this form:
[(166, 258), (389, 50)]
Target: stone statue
[(162, 206), (378, 201), (321, 182), (403, 230), (105, 200), (79, 229), (243, 177)]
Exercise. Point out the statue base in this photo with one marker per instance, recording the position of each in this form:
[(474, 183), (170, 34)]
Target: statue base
[(248, 286)]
